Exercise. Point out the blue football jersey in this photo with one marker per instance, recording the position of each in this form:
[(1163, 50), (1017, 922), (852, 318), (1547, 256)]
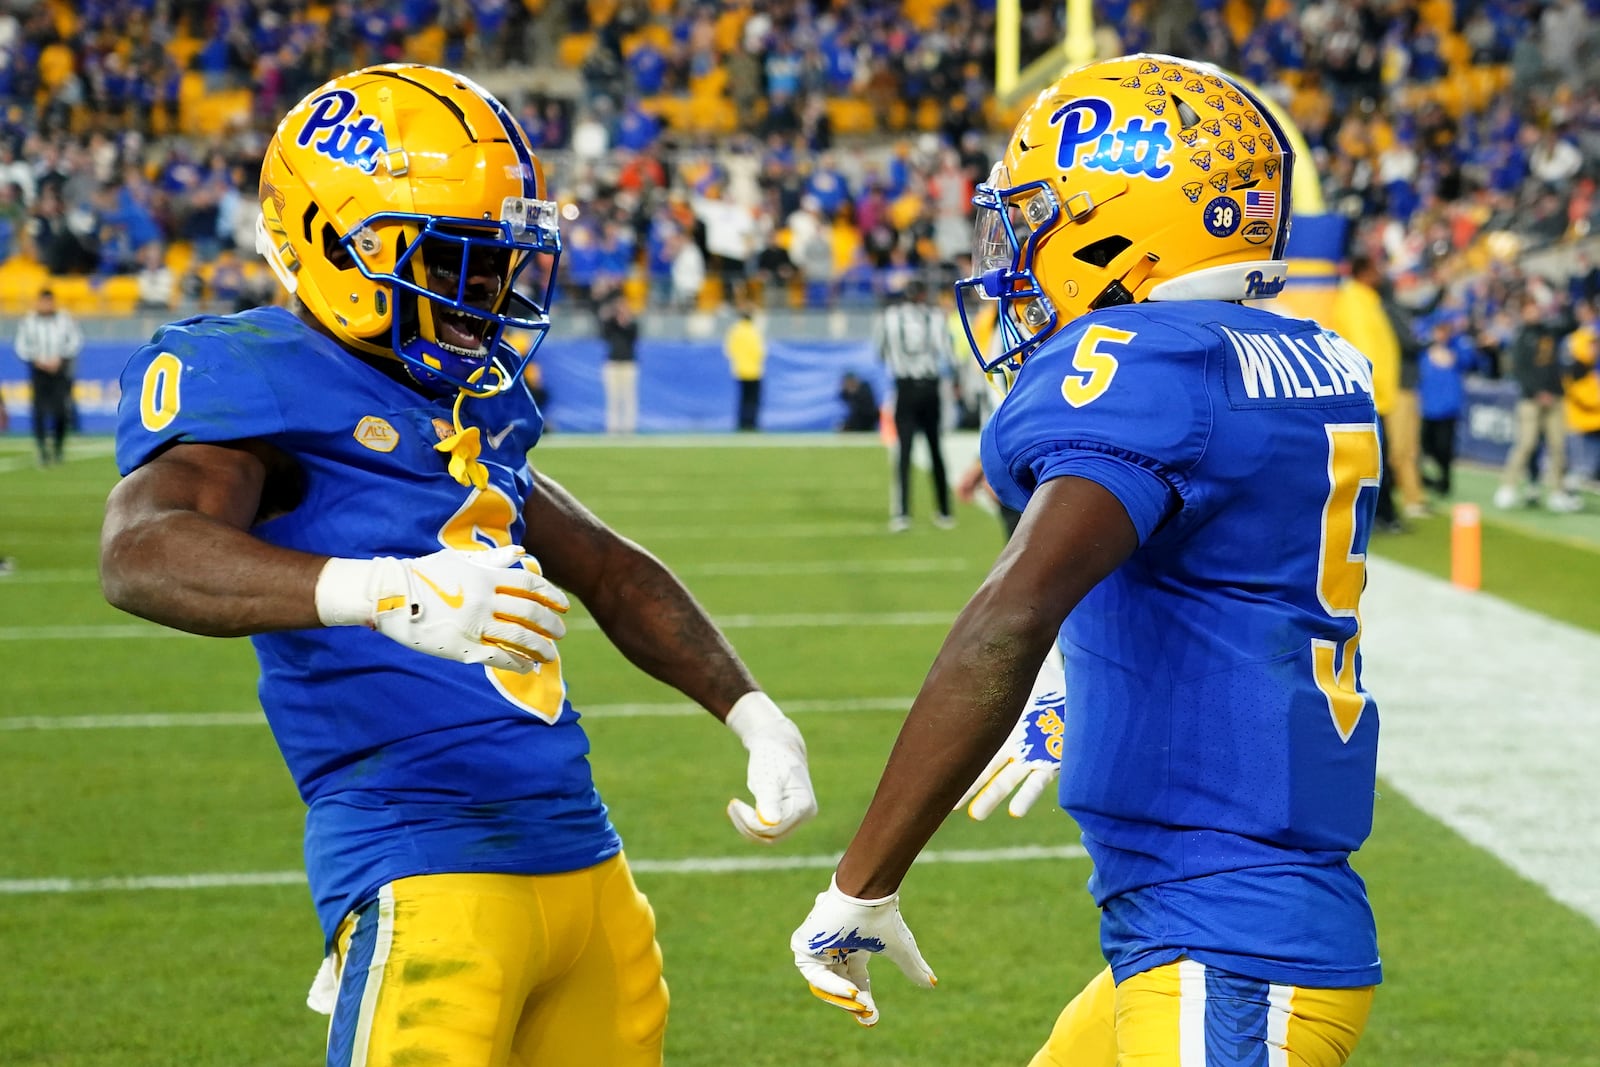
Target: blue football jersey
[(410, 764), (1220, 751)]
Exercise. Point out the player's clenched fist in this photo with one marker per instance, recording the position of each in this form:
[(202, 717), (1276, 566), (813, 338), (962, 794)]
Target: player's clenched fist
[(474, 607)]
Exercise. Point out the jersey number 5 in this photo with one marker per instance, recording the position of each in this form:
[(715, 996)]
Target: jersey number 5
[(1354, 461), (482, 523), (1095, 366)]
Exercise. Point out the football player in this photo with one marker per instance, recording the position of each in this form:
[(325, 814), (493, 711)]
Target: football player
[(347, 482), (1196, 478)]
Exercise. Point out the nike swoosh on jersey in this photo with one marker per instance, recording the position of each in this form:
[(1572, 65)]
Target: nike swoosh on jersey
[(451, 600), (496, 438)]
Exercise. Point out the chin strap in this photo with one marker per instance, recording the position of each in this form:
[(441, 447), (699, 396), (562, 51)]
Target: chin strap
[(463, 447)]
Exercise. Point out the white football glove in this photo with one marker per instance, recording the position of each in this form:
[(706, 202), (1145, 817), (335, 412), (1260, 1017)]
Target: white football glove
[(1029, 761), (834, 945), (777, 775), (474, 607)]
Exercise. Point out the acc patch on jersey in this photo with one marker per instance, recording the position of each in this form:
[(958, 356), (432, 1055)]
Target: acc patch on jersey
[(377, 434)]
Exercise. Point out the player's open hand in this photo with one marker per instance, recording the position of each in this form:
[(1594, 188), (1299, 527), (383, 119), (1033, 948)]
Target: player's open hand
[(838, 939)]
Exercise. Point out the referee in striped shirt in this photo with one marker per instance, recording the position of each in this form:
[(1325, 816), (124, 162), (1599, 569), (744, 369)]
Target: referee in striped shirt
[(913, 341), (47, 341)]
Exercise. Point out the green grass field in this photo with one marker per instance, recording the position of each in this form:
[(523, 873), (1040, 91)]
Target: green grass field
[(1483, 968)]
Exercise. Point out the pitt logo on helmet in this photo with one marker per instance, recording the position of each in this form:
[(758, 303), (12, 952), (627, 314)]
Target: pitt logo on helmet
[(1130, 148), (356, 143)]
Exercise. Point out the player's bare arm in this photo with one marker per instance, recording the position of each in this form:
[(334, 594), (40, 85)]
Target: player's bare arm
[(657, 624), (638, 603), (1073, 534), (176, 549)]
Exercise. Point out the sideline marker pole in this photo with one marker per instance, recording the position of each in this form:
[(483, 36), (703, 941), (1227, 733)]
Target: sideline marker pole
[(1466, 546)]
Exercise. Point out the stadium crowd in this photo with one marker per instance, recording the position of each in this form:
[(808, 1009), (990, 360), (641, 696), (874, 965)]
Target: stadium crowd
[(791, 152)]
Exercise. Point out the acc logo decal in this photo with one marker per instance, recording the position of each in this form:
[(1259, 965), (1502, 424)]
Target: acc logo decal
[(443, 428), (1222, 216), (376, 434), (356, 143), (1131, 149), (1201, 159), (1192, 191), (1257, 284), (1258, 232)]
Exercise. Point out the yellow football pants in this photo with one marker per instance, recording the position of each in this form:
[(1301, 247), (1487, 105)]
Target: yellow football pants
[(495, 970), (1186, 1014)]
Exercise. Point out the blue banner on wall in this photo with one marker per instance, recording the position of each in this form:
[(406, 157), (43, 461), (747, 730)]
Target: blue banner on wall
[(95, 390), (684, 386), (1488, 423)]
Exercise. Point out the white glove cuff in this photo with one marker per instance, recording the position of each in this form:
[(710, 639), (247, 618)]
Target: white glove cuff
[(754, 715), (833, 887), (351, 591)]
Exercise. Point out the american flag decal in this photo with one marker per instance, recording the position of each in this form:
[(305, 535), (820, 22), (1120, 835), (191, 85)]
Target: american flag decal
[(1259, 204)]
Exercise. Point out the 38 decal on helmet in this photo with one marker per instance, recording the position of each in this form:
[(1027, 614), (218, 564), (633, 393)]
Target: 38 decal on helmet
[(406, 210), (1098, 199)]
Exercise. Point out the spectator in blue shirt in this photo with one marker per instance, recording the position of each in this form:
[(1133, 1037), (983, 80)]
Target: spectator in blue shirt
[(1441, 393)]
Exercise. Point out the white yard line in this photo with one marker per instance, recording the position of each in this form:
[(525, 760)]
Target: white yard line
[(690, 865), (770, 569), (1490, 723), (173, 720), (143, 631)]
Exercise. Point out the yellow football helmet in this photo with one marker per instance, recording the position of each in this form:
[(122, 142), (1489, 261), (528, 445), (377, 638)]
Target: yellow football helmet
[(402, 205), (1139, 178)]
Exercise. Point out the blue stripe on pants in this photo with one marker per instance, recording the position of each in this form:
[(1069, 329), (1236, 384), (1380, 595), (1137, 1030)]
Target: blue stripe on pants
[(1236, 1020), (352, 987)]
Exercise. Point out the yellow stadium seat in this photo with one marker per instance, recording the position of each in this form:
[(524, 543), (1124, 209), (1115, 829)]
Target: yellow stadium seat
[(929, 114), (318, 13), (852, 115), (191, 86), (728, 33), (427, 46), (636, 290), (711, 84), (574, 48), (214, 113), (56, 64), (1440, 14), (75, 294), (922, 13), (119, 293), (179, 255), (182, 49), (1454, 50), (20, 281)]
